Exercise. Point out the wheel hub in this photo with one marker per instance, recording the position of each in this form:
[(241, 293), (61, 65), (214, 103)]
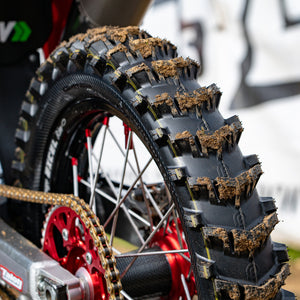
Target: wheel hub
[(67, 240), (173, 239)]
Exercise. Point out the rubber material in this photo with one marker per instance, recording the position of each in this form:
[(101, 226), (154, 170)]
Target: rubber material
[(151, 274), (141, 79)]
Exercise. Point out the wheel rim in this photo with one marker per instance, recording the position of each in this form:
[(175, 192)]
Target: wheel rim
[(136, 215)]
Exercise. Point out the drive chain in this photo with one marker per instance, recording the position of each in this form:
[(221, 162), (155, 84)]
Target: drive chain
[(5, 294), (87, 216)]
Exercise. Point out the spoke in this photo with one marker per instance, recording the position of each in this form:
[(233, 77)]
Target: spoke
[(126, 295), (143, 189), (185, 257), (101, 193), (110, 183), (123, 206), (152, 253), (126, 195), (134, 172), (89, 149), (205, 259), (114, 201), (167, 226), (133, 224), (75, 176), (177, 230), (153, 202), (185, 286), (92, 198), (170, 201), (149, 239), (120, 148), (190, 273), (114, 225), (156, 229), (117, 251)]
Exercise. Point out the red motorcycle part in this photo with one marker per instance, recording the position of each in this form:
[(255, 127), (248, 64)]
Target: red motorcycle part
[(68, 241), (169, 240)]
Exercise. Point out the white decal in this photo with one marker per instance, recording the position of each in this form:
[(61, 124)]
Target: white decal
[(11, 278), (59, 130), (50, 158), (5, 30)]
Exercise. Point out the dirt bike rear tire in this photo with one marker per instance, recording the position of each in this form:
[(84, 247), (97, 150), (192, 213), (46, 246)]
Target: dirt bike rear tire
[(212, 184)]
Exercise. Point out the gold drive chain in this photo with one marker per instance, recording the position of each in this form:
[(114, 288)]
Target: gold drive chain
[(87, 216)]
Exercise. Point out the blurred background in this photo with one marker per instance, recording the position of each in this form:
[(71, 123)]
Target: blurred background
[(250, 49)]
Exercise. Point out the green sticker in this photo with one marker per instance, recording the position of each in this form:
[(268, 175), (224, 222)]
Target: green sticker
[(22, 32)]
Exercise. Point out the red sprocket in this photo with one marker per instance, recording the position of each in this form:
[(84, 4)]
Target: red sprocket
[(67, 240)]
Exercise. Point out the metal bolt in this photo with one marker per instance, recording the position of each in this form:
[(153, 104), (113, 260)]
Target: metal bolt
[(41, 286), (89, 258), (65, 234)]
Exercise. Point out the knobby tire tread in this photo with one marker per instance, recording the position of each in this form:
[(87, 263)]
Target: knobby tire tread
[(212, 183)]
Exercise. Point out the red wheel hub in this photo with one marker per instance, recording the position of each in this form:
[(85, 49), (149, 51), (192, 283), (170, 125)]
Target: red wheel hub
[(169, 240), (68, 241)]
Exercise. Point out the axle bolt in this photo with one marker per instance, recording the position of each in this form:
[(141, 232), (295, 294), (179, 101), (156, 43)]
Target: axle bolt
[(41, 286), (89, 258)]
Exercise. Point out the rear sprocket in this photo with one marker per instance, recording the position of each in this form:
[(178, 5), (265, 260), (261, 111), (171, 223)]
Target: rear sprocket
[(66, 239)]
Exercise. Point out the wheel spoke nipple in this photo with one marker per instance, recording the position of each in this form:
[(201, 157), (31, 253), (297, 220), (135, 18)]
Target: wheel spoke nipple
[(127, 129), (88, 133), (74, 161), (105, 121)]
